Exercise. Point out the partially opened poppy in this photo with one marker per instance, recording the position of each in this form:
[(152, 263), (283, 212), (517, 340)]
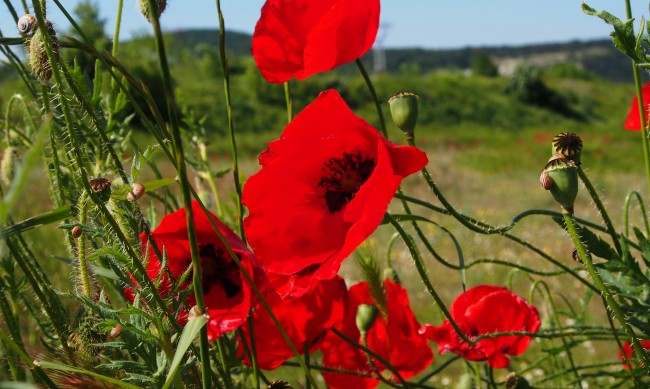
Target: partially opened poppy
[(394, 337), (484, 310), (633, 120), (305, 320), (298, 38), (628, 348), (228, 297), (323, 188)]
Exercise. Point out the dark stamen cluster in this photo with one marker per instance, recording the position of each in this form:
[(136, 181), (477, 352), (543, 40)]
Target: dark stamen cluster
[(342, 178), (219, 270)]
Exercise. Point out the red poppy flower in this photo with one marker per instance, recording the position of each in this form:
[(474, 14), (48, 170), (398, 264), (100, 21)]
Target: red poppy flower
[(228, 296), (627, 347), (394, 337), (305, 319), (483, 310), (633, 120), (299, 38), (323, 189)]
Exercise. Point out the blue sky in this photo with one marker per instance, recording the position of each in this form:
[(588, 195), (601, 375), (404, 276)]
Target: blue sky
[(407, 23)]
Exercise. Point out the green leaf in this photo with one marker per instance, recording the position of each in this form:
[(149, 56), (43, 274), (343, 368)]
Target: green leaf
[(46, 218), (623, 34), (120, 194), (57, 366), (140, 159), (190, 331), (17, 385)]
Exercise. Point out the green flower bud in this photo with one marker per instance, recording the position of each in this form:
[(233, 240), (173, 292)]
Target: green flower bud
[(404, 109), (144, 8), (8, 165), (560, 176), (392, 275), (514, 381), (38, 59), (567, 145), (366, 316)]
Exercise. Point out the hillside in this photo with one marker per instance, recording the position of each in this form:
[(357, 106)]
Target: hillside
[(598, 56)]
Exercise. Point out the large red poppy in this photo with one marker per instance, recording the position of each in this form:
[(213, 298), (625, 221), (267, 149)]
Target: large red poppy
[(305, 320), (394, 337), (627, 348), (633, 120), (298, 38), (483, 310), (228, 296), (323, 188)]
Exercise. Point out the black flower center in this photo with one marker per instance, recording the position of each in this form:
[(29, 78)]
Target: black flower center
[(342, 178), (219, 270)]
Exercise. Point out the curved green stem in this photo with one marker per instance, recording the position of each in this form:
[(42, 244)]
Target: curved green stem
[(417, 258), (601, 208), (375, 99), (84, 272), (628, 200), (604, 291)]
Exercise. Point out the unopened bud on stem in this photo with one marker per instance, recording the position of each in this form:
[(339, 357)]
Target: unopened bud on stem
[(366, 316), (404, 110), (560, 176)]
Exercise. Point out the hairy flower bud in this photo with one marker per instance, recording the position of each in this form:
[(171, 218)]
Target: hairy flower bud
[(514, 381), (101, 187), (144, 8), (404, 110), (38, 59), (366, 316), (560, 176), (567, 145), (8, 165)]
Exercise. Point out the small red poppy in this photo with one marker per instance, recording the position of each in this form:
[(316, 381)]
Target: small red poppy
[(323, 188), (228, 296), (633, 120), (305, 320), (483, 310), (299, 38), (394, 337), (627, 347)]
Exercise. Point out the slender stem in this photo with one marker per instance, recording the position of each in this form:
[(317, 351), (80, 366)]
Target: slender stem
[(628, 198), (84, 272), (417, 258), (181, 168), (375, 99), (601, 209), (306, 355), (642, 106), (618, 343), (231, 127), (611, 302), (289, 101)]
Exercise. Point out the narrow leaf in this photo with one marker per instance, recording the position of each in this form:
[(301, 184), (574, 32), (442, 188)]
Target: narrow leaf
[(57, 366), (47, 218), (190, 331)]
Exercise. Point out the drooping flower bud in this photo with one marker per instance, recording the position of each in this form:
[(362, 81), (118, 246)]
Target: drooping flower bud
[(560, 176), (8, 165), (38, 59), (366, 316), (567, 145), (392, 275), (144, 8), (404, 110)]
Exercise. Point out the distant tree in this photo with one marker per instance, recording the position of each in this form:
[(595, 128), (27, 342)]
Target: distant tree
[(483, 65), (87, 17)]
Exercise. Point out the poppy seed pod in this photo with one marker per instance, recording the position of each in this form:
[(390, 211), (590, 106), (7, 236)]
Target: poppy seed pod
[(560, 176), (568, 146), (366, 316), (144, 8), (514, 381), (101, 187), (404, 110)]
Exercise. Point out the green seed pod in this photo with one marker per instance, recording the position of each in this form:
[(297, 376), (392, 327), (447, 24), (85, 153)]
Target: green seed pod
[(567, 145), (38, 60), (366, 316), (404, 110), (8, 165), (514, 381), (144, 8), (560, 176)]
